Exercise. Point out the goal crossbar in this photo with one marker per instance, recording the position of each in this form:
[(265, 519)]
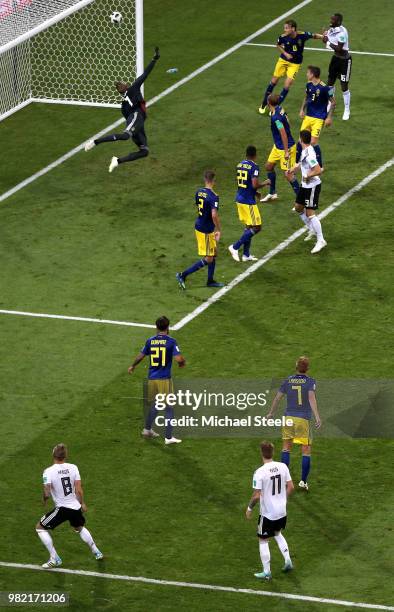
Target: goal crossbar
[(44, 25), (72, 56)]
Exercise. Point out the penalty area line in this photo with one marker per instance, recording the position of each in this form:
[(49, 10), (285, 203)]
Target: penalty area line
[(236, 281), (205, 587), (279, 248), (248, 44), (42, 315), (161, 95)]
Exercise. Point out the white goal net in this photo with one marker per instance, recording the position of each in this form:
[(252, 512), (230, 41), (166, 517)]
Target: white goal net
[(67, 51)]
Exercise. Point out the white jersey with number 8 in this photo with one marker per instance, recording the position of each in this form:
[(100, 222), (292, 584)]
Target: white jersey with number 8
[(271, 479), (62, 477)]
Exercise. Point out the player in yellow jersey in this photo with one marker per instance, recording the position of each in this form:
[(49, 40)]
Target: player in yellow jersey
[(291, 47)]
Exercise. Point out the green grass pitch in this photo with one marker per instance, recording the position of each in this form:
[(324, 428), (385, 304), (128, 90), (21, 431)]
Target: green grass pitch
[(81, 242)]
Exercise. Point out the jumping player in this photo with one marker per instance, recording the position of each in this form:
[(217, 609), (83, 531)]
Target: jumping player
[(134, 111), (291, 47)]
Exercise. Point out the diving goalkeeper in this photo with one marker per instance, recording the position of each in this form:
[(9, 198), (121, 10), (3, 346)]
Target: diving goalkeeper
[(134, 111)]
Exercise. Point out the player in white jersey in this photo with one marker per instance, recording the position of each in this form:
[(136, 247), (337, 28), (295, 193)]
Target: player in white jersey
[(62, 482), (336, 38), (272, 485), (307, 200)]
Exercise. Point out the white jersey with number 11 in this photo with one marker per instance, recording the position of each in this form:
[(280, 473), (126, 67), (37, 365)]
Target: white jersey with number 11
[(271, 479)]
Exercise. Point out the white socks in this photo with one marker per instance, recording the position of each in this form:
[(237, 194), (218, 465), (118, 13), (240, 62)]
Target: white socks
[(87, 538), (265, 555), (46, 539), (346, 99), (305, 219), (284, 549), (315, 225)]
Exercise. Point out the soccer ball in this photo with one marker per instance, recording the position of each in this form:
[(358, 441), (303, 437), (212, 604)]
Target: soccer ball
[(116, 18)]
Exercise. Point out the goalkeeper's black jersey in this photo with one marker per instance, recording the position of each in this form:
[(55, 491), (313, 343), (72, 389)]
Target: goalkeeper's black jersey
[(132, 98)]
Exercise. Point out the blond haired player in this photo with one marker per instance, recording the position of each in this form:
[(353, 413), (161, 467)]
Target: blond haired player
[(272, 485), (62, 482), (299, 389)]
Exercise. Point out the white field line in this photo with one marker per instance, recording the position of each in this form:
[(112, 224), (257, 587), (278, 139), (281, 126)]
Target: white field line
[(238, 279), (205, 587), (279, 248), (42, 315), (161, 95), (326, 50)]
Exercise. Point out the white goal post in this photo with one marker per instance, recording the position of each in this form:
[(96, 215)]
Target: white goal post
[(67, 51)]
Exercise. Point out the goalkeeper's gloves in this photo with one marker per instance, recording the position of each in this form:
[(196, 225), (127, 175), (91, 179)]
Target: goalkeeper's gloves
[(157, 54)]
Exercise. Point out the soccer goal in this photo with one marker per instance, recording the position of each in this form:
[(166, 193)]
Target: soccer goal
[(67, 51)]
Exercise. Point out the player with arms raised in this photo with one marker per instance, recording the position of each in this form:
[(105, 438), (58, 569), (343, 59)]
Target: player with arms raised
[(134, 111), (299, 390), (62, 482), (272, 484), (291, 47), (248, 212)]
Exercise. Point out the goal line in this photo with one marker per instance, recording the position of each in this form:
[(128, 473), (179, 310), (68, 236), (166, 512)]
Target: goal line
[(249, 44), (204, 587)]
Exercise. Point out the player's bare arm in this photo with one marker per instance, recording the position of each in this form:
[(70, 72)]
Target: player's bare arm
[(79, 494), (316, 171), (285, 142), (303, 107), (136, 361), (281, 50), (328, 120), (294, 169), (289, 487), (337, 48), (275, 404), (216, 220), (257, 185), (181, 361), (252, 502), (313, 404), (46, 493)]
